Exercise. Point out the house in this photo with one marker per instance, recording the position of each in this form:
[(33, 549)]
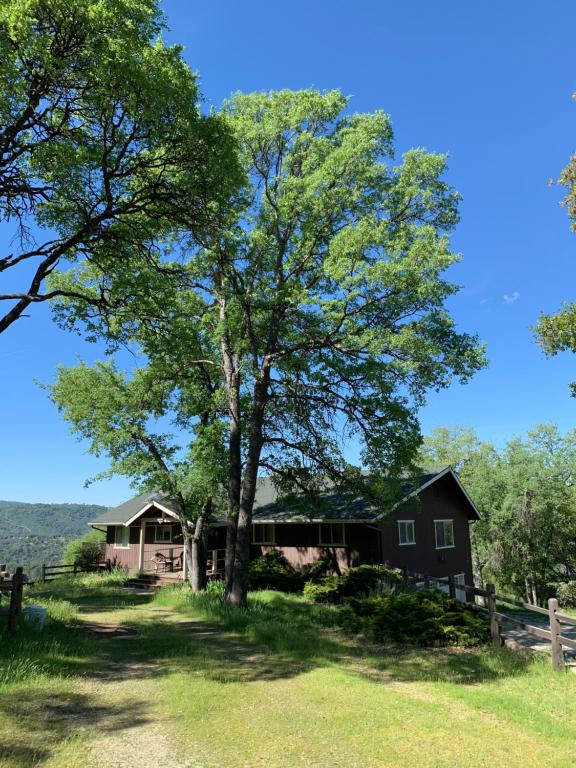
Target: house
[(426, 531)]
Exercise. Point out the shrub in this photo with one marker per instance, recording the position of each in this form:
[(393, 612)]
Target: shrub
[(316, 571), (426, 617), (360, 581), (325, 591), (85, 552), (566, 593), (273, 571)]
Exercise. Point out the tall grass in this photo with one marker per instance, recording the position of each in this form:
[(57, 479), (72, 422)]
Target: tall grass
[(278, 622), (61, 649)]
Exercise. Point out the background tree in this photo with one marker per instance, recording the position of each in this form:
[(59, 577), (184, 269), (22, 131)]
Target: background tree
[(86, 551), (557, 332), (121, 417), (526, 538), (101, 141), (316, 301)]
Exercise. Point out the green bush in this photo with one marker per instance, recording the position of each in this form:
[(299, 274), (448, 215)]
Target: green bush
[(273, 571), (426, 617), (325, 591), (566, 594), (356, 582), (86, 551)]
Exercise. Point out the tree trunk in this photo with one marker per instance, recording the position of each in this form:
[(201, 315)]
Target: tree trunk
[(477, 568), (238, 594), (235, 475), (198, 550)]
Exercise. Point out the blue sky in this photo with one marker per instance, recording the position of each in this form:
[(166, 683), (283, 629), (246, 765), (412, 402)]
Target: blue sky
[(489, 83)]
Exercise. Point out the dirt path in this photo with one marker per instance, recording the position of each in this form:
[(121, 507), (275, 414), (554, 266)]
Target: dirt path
[(132, 729)]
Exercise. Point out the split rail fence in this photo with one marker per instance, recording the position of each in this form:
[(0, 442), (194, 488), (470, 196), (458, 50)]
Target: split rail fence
[(50, 572), (553, 634)]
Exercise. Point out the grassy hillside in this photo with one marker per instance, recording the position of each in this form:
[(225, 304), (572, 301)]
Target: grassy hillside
[(32, 534)]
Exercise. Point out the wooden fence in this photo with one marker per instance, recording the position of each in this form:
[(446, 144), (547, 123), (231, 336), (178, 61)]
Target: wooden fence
[(51, 572), (14, 586), (553, 634)]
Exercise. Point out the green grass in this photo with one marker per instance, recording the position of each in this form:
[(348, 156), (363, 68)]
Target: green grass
[(186, 677)]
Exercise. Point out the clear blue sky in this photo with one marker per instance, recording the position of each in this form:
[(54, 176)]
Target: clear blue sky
[(489, 83)]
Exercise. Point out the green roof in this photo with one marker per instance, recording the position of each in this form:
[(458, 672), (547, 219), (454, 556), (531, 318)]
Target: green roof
[(269, 506), (126, 511)]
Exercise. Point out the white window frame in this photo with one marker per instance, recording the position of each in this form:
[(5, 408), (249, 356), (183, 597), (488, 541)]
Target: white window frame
[(406, 523), (156, 531), (123, 529), (444, 520), (323, 526), (264, 528)]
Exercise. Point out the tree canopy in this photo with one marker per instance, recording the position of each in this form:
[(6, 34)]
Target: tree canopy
[(526, 538), (102, 144), (150, 434), (314, 303)]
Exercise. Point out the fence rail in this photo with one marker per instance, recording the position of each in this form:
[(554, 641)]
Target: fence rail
[(555, 619), (51, 572)]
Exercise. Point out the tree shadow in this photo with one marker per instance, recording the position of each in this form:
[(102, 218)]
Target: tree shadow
[(450, 665), (285, 638), (47, 720)]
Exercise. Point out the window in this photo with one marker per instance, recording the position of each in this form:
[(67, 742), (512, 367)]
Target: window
[(406, 534), (121, 537), (162, 534), (332, 535), (264, 533), (444, 533)]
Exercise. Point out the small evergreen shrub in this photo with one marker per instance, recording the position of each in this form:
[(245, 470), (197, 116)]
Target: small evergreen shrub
[(325, 591), (566, 594), (426, 617), (273, 571), (356, 582)]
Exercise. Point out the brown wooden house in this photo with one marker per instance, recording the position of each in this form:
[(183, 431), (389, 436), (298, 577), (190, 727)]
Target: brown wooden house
[(427, 530)]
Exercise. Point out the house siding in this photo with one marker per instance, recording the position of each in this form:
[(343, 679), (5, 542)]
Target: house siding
[(442, 500), (300, 545), (365, 543), (128, 558)]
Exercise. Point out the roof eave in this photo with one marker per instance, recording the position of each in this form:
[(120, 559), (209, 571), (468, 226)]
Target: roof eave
[(446, 471)]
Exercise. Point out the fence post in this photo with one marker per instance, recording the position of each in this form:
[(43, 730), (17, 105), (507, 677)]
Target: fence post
[(43, 572), (426, 581), (557, 652), (15, 608), (451, 587), (494, 626)]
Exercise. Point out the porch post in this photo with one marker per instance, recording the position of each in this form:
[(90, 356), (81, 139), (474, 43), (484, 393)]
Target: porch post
[(141, 549)]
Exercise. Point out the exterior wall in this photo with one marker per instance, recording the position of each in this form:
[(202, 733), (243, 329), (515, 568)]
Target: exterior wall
[(300, 545), (442, 500), (300, 542), (128, 558)]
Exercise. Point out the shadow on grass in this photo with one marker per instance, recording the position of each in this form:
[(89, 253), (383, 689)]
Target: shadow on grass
[(278, 637), (44, 720), (285, 636), (449, 665)]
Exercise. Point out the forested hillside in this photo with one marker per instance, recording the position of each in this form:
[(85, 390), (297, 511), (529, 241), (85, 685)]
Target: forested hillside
[(32, 534)]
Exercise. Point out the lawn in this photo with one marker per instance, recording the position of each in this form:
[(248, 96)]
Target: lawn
[(174, 681)]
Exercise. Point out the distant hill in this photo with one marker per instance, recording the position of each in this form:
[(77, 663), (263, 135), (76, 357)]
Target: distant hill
[(32, 534)]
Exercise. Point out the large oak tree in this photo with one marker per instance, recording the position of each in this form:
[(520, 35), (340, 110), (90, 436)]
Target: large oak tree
[(315, 302)]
